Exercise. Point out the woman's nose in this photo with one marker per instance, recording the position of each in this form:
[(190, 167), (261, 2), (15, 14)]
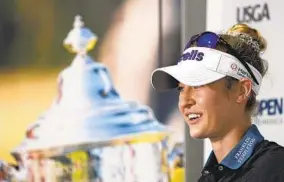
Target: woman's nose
[(186, 101)]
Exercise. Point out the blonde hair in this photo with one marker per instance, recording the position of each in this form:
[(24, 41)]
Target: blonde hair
[(251, 33), (249, 43)]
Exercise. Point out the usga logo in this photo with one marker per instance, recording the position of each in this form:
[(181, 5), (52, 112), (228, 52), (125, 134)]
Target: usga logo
[(253, 13)]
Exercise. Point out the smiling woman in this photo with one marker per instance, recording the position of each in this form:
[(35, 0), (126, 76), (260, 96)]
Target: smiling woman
[(219, 77)]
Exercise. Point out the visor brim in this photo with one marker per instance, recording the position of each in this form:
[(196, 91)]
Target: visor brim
[(191, 74)]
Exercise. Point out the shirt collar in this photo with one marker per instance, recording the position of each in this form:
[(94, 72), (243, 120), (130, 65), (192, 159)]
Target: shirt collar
[(241, 152)]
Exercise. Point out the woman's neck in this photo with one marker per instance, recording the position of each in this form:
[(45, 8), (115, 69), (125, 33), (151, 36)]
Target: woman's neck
[(223, 145)]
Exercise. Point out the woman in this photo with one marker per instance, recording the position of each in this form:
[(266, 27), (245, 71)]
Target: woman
[(219, 76)]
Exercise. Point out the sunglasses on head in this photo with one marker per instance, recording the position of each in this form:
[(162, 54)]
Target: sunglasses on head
[(211, 40)]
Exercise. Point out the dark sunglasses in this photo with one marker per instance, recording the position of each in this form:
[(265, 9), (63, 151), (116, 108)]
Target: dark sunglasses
[(211, 40)]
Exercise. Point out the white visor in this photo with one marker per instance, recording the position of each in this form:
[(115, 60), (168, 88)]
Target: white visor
[(201, 66)]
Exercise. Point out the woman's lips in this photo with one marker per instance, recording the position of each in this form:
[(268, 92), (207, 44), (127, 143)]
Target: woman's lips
[(193, 117)]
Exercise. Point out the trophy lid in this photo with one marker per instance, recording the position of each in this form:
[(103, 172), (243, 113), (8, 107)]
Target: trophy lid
[(88, 111), (80, 39)]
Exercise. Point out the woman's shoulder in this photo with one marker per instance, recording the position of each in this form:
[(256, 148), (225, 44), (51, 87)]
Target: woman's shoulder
[(272, 147), (267, 162), (269, 155), (270, 150)]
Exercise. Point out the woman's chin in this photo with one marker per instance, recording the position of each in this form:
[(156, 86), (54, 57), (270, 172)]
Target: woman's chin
[(197, 133)]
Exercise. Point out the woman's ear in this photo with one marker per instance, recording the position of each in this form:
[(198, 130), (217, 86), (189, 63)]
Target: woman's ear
[(245, 89)]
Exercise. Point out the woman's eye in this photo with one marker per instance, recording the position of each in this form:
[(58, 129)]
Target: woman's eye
[(179, 88), (196, 87)]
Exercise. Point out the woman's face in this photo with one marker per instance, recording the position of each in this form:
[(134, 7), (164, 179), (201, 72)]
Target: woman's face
[(208, 110)]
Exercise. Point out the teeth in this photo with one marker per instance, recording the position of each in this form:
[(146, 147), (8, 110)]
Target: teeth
[(193, 116)]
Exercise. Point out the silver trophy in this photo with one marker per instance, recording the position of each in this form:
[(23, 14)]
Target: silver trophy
[(90, 134)]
